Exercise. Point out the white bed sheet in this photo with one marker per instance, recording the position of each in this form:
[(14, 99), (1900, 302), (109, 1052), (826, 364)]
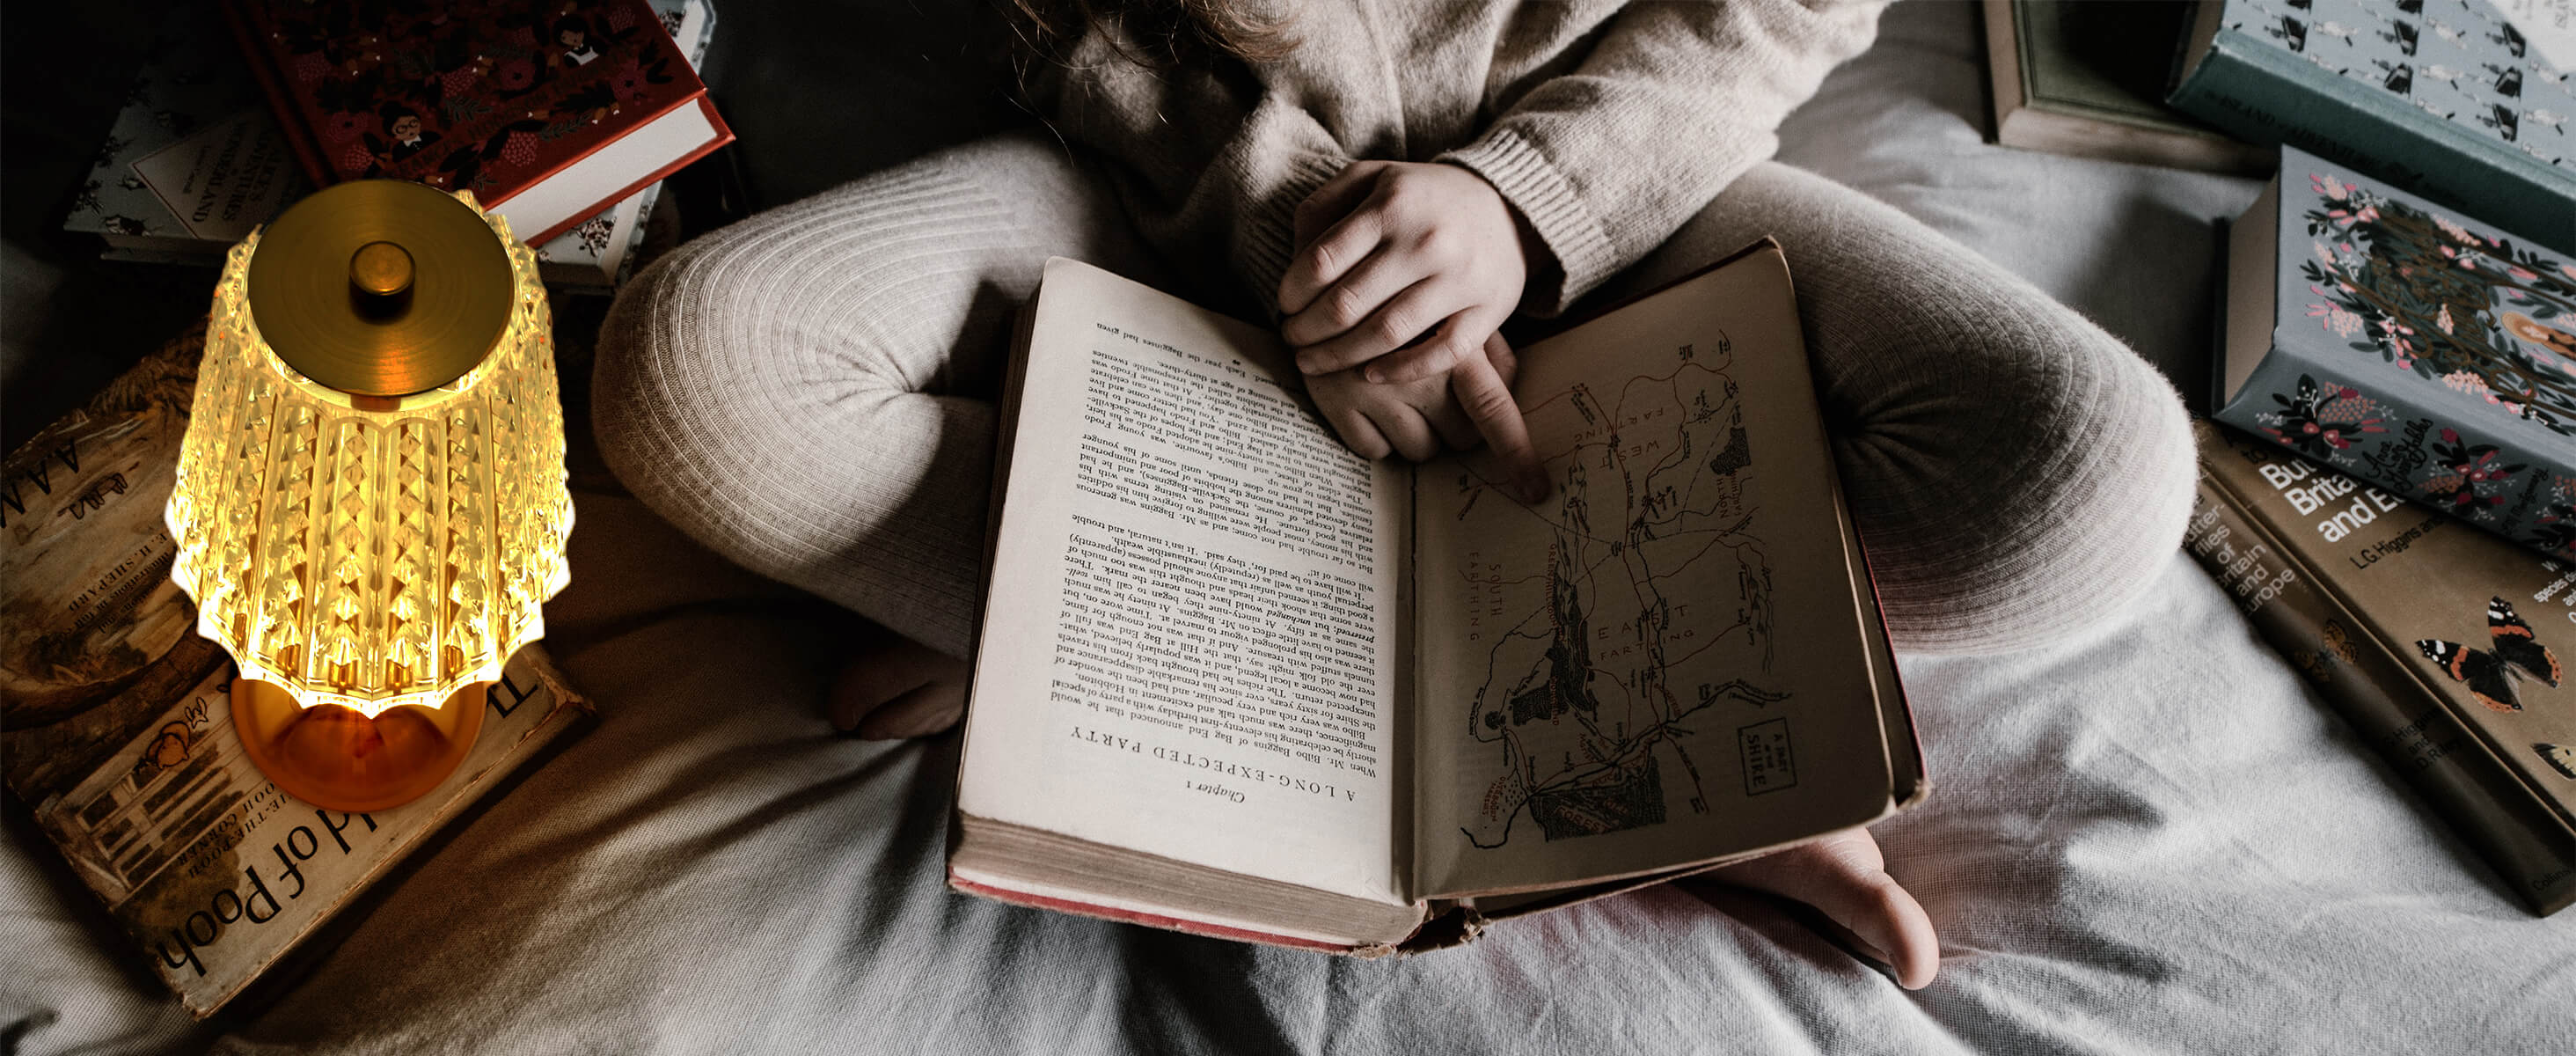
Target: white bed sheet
[(2148, 839)]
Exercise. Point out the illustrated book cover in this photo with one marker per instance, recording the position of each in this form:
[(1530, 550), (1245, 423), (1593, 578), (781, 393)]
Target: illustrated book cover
[(2088, 80), (1236, 680), (548, 112), (2399, 342), (2462, 101), (196, 159), (2444, 647), (116, 723)]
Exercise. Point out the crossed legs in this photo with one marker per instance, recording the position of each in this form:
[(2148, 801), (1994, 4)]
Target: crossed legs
[(809, 392)]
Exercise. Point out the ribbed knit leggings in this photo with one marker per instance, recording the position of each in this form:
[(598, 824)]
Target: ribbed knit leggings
[(810, 393)]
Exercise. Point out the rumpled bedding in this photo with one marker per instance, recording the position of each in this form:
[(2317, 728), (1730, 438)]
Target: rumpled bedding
[(2150, 838)]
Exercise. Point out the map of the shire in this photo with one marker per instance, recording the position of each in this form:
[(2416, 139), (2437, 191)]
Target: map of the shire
[(1652, 607)]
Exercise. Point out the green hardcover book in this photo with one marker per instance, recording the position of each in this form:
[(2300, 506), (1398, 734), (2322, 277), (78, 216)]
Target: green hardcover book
[(2449, 99), (2088, 80), (2442, 646)]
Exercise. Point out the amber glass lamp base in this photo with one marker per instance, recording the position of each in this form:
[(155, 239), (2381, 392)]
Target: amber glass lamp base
[(334, 757)]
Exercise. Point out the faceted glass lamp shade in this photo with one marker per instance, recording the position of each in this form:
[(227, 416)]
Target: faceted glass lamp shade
[(359, 554)]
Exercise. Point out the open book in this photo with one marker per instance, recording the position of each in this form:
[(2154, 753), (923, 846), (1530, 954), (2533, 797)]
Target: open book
[(1236, 680)]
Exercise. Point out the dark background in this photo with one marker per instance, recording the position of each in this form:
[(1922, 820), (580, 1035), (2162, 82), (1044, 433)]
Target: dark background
[(807, 110)]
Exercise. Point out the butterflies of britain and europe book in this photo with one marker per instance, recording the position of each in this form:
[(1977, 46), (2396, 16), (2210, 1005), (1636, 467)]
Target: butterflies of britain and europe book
[(1235, 680), (2443, 646), (2514, 654)]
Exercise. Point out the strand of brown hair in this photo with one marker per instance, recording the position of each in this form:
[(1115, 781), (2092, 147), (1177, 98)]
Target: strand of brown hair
[(1156, 34)]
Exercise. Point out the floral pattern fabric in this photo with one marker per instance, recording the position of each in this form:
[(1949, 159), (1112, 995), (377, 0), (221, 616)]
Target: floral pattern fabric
[(2425, 352), (480, 95)]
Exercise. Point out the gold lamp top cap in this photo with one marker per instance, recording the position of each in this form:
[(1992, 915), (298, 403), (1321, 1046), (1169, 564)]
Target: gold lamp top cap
[(381, 269), (380, 287)]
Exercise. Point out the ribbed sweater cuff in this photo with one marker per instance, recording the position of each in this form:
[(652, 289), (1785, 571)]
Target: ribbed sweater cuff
[(1267, 237), (1584, 254)]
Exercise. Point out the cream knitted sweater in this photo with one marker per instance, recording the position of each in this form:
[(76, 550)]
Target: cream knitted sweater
[(1605, 123), (806, 391)]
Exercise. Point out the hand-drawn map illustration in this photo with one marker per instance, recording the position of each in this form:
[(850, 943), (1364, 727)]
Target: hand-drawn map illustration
[(1651, 605)]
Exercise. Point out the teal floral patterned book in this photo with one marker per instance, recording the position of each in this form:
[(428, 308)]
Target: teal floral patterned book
[(2391, 339), (2463, 101)]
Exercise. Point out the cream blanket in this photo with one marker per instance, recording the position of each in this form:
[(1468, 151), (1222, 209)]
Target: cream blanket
[(2152, 839)]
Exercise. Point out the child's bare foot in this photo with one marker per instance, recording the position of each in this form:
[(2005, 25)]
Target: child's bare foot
[(897, 688), (1844, 876)]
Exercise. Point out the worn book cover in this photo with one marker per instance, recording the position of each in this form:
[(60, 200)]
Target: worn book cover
[(115, 721), (2445, 647), (195, 160), (2088, 80), (548, 112), (1235, 679), (2464, 101), (2398, 342)]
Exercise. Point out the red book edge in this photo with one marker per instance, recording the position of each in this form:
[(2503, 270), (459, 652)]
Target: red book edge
[(308, 151), (1895, 669), (724, 135), (1151, 920)]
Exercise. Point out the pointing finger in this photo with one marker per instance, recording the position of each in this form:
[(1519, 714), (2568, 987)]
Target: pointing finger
[(1489, 404)]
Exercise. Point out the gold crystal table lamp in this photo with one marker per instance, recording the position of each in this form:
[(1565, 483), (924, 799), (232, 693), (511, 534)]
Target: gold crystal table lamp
[(370, 505)]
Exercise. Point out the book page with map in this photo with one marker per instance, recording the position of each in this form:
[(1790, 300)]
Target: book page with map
[(1664, 662)]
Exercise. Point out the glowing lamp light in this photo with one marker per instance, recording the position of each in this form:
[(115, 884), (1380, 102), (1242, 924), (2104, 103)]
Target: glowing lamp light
[(371, 504)]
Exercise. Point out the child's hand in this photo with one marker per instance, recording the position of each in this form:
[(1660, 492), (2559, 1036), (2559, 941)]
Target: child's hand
[(1390, 252), (1422, 261), (1455, 409)]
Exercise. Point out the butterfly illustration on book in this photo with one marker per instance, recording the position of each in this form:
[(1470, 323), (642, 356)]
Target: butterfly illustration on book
[(2559, 756), (2489, 674)]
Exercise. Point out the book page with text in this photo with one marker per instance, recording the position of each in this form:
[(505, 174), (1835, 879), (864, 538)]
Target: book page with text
[(1663, 662), (1190, 642)]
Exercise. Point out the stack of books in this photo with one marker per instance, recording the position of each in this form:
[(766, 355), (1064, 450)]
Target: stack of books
[(2389, 485), (2460, 101), (200, 155)]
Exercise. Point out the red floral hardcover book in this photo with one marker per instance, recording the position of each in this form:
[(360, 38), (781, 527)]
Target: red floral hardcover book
[(548, 111)]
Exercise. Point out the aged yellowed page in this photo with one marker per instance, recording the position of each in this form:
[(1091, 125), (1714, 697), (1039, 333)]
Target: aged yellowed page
[(1662, 663), (1189, 646)]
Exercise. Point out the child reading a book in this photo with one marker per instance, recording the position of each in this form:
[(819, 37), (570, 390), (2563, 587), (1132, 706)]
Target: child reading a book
[(810, 392)]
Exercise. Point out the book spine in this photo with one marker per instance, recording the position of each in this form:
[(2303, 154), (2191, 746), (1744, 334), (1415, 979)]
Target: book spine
[(290, 120), (723, 135), (2367, 682), (2263, 94), (2384, 436)]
